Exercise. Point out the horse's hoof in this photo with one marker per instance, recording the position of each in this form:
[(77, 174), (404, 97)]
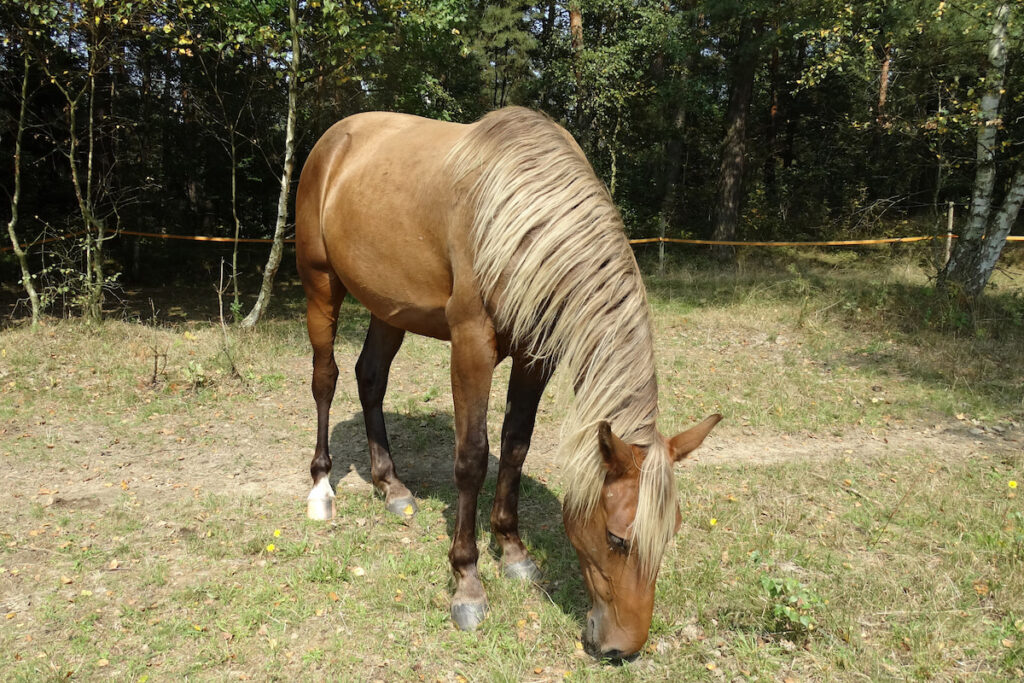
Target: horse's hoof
[(468, 615), (320, 509), (524, 570), (403, 507)]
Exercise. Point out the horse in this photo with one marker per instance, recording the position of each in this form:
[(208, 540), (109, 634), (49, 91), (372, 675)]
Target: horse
[(498, 237)]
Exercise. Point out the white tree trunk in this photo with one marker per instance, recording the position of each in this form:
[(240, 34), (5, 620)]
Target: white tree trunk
[(274, 260), (979, 246), (1000, 227), (26, 274)]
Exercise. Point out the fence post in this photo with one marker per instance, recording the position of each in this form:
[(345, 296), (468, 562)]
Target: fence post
[(661, 248)]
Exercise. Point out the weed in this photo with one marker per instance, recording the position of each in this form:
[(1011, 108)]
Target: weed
[(792, 604), (195, 375)]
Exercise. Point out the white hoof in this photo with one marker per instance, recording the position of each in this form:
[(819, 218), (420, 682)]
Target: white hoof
[(320, 502)]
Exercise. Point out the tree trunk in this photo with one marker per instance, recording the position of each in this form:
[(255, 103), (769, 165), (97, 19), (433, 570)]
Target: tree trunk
[(26, 274), (730, 178), (673, 162), (576, 38), (790, 111), (236, 304), (771, 132), (981, 241), (274, 260), (883, 87)]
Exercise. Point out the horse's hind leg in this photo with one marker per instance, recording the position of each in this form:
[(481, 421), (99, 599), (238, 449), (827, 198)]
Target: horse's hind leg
[(324, 294), (372, 368), (525, 387)]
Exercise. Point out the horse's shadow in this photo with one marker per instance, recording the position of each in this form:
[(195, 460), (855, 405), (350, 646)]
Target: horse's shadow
[(422, 445)]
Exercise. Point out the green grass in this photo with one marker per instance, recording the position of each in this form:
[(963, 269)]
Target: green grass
[(134, 541)]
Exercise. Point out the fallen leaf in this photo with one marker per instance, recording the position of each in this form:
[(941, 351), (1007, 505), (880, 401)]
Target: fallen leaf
[(102, 662), (66, 580), (333, 596)]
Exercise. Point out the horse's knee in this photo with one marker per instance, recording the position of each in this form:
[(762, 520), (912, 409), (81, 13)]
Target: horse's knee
[(471, 461)]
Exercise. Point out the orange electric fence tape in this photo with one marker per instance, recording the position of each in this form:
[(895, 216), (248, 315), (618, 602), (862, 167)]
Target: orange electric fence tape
[(647, 240), (202, 238)]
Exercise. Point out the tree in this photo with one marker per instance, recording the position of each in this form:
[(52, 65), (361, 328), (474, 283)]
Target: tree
[(84, 26), (26, 273), (274, 259), (733, 157), (982, 240)]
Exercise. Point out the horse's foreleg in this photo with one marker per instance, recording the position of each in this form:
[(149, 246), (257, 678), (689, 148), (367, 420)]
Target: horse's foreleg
[(372, 368), (324, 293), (473, 358), (525, 387)]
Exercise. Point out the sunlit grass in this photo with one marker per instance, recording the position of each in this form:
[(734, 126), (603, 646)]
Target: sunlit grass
[(155, 525)]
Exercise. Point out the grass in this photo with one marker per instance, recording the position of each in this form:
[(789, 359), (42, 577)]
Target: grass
[(135, 539)]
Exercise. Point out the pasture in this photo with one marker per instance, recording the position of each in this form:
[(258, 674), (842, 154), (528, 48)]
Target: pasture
[(856, 516)]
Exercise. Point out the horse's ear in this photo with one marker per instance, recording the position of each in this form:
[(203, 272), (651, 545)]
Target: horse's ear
[(616, 453), (684, 443)]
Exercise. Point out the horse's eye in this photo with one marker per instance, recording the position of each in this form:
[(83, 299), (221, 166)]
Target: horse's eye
[(618, 544)]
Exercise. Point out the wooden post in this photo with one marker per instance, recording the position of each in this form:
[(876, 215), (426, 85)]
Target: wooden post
[(949, 232), (661, 249)]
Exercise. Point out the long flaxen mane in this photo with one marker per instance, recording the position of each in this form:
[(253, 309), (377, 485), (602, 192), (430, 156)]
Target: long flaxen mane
[(552, 256)]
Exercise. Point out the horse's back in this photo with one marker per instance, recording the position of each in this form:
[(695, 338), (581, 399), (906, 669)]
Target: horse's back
[(375, 206)]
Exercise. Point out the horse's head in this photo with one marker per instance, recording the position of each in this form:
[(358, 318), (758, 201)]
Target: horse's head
[(621, 587)]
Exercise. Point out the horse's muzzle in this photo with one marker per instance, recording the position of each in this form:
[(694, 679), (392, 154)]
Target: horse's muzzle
[(593, 648)]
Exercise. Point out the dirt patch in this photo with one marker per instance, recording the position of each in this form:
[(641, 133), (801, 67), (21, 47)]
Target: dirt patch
[(956, 439)]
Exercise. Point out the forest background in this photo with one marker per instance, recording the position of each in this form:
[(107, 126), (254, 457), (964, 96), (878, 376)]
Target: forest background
[(733, 119)]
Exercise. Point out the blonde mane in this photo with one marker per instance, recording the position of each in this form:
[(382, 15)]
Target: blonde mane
[(552, 257)]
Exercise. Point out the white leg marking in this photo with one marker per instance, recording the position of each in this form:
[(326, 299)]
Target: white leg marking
[(320, 501)]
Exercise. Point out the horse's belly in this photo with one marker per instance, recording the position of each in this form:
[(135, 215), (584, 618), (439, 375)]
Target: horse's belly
[(407, 288), (425, 317)]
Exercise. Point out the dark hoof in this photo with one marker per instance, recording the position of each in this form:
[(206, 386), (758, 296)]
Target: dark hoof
[(524, 570), (468, 615), (403, 507)]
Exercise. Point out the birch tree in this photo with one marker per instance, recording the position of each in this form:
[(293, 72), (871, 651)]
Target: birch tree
[(982, 239), (274, 259), (12, 225)]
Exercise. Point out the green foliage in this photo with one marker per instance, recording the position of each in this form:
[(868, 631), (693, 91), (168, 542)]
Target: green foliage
[(646, 96), (793, 605)]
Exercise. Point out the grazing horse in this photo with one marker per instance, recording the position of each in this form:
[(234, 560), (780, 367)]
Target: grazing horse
[(499, 237)]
